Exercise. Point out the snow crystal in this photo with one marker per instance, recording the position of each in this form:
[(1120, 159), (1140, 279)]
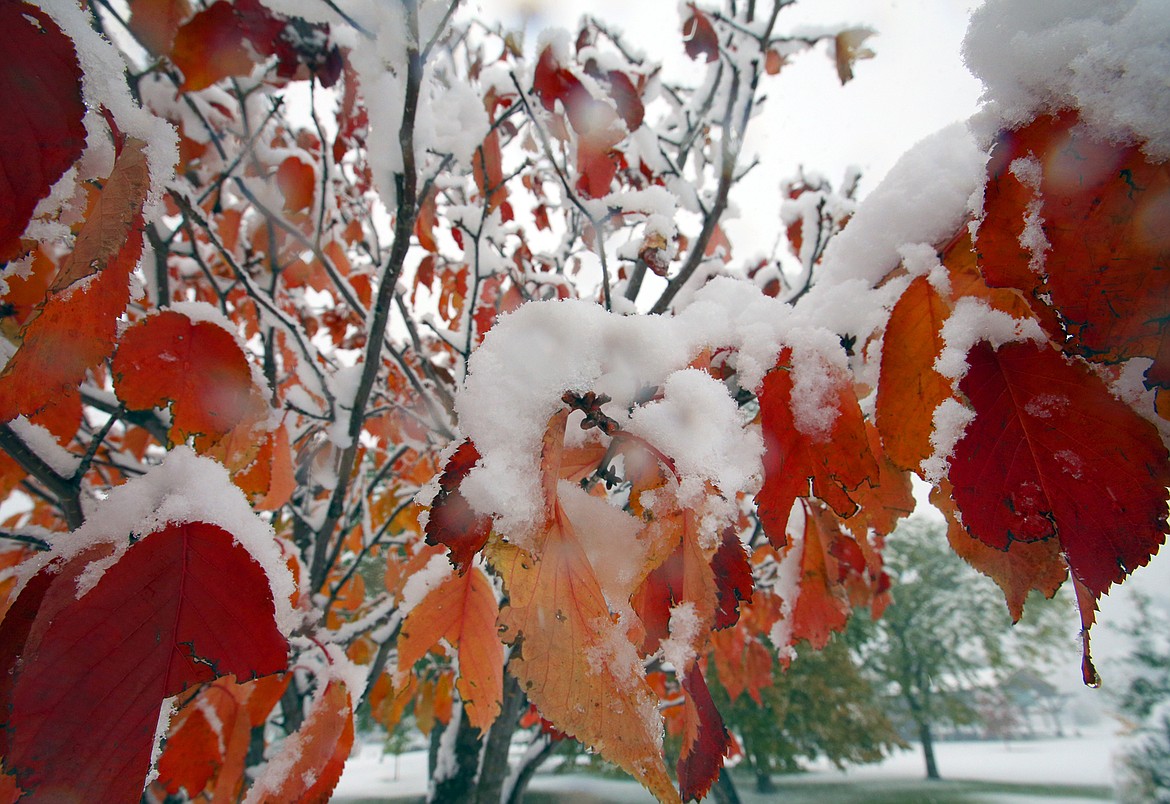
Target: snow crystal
[(1109, 60)]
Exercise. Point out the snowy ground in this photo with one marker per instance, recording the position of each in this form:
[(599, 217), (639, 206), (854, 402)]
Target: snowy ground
[(1061, 768)]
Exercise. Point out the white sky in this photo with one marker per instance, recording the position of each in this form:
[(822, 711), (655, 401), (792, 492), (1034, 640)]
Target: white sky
[(916, 85)]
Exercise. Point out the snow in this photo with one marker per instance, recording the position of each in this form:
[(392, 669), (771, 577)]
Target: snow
[(1087, 760), (104, 86), (185, 487), (678, 649), (923, 199), (972, 321), (1110, 60), (44, 445)]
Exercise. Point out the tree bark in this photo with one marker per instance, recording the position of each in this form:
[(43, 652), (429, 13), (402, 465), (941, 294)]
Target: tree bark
[(454, 782), (724, 789), (927, 740), (494, 766)]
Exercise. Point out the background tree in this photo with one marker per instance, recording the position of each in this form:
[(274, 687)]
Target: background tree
[(1144, 700), (820, 704), (946, 634), (358, 398)]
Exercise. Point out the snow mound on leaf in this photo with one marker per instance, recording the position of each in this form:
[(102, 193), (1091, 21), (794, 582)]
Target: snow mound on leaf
[(183, 488), (533, 356), (1109, 60)]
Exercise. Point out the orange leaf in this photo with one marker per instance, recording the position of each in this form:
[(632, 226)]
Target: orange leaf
[(76, 325), (424, 225), (487, 167), (155, 23), (1024, 566), (573, 661), (463, 611), (309, 763), (821, 607), (194, 366), (298, 182), (909, 389)]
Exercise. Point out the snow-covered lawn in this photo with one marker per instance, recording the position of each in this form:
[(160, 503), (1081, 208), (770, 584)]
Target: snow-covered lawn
[(1083, 761)]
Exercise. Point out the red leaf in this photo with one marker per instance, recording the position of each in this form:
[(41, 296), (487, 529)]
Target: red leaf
[(41, 106), (700, 37), (625, 96), (75, 327), (298, 181), (195, 366), (1052, 453), (214, 43), (705, 739), (733, 578), (837, 462), (82, 680), (553, 83), (1105, 214), (452, 522)]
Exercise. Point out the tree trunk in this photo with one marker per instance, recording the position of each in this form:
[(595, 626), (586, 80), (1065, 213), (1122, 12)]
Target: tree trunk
[(764, 782), (494, 767), (517, 783), (456, 759), (927, 740), (724, 790)]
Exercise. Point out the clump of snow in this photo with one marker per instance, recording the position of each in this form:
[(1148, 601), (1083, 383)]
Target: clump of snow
[(1107, 59), (1030, 173), (923, 199), (679, 648), (973, 320), (951, 418), (184, 488), (698, 422)]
